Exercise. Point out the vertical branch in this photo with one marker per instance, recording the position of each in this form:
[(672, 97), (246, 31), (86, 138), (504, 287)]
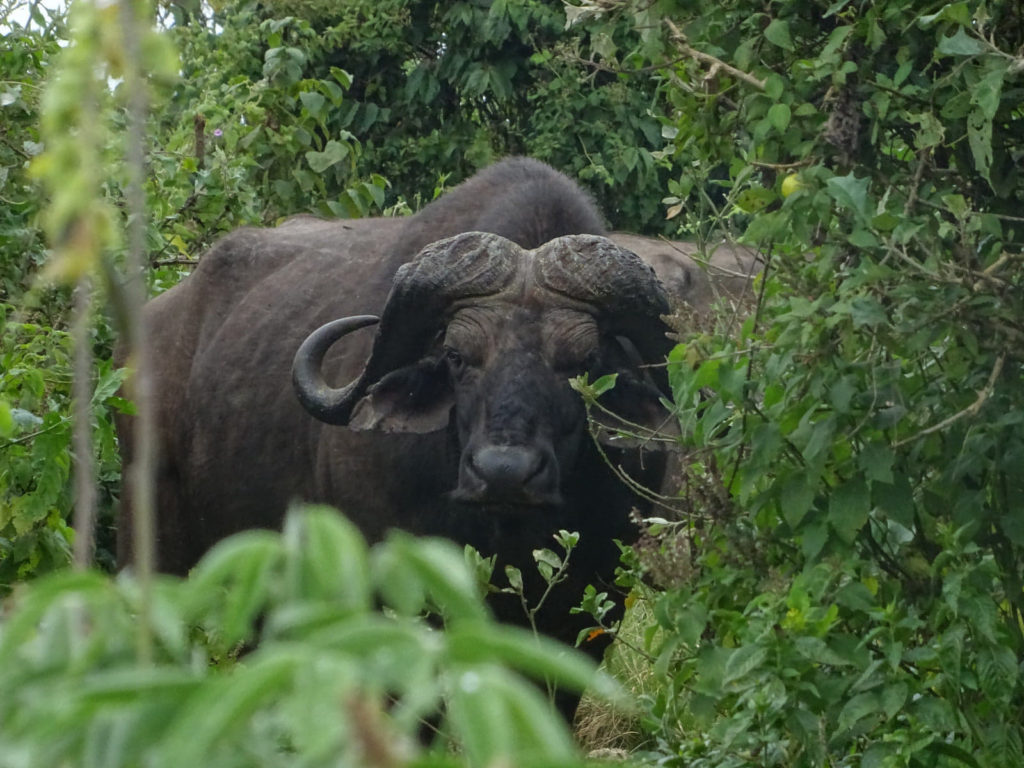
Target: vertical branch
[(141, 473), (85, 467)]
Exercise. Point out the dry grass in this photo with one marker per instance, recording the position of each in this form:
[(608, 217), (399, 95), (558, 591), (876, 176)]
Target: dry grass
[(608, 732)]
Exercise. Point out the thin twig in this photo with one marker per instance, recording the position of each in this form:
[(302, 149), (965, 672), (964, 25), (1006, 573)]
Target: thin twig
[(33, 435), (970, 410), (179, 262), (915, 184), (991, 268), (1008, 217), (783, 166)]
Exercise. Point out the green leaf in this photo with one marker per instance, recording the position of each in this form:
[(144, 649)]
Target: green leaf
[(893, 697), (221, 708), (875, 460), (959, 44), (333, 153), (841, 393), (604, 383), (997, 671), (590, 391), (515, 578), (326, 558), (986, 94), (344, 78), (501, 720), (848, 508), (959, 13), (867, 312), (436, 567), (851, 193), (313, 102), (6, 419), (548, 557), (744, 660), (957, 205), (985, 98), (537, 656), (777, 33), (774, 86), (815, 436), (815, 649), (233, 581), (796, 497), (241, 565), (860, 706), (836, 7), (754, 199), (779, 116), (109, 382), (128, 685), (961, 755), (863, 238), (47, 596)]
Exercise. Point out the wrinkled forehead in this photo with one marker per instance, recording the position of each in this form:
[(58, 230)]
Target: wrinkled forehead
[(533, 325)]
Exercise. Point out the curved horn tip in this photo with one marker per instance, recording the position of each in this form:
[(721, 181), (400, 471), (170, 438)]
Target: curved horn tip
[(321, 400)]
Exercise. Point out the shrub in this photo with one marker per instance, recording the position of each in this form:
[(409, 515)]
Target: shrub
[(854, 596)]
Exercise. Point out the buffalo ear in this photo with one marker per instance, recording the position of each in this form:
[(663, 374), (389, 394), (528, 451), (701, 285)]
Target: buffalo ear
[(638, 414), (416, 398)]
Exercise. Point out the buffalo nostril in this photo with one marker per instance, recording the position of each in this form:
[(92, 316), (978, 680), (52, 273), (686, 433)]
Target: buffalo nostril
[(507, 467)]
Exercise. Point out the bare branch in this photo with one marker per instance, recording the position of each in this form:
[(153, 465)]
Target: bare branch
[(783, 166), (922, 162), (684, 47)]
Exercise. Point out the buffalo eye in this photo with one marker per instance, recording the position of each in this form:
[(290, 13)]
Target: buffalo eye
[(569, 364), (454, 358)]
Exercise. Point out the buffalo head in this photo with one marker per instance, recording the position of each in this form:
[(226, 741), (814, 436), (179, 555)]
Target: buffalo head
[(480, 337)]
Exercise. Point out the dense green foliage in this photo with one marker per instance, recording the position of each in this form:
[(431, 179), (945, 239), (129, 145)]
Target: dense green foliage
[(23, 60), (839, 581), (331, 681), (35, 349), (846, 588), (438, 90)]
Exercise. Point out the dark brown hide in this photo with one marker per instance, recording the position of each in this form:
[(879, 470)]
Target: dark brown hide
[(466, 426)]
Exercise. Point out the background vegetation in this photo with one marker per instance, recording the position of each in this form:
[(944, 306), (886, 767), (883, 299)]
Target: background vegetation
[(838, 581)]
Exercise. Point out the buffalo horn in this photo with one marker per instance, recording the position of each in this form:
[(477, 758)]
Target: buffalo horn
[(464, 266), (323, 401), (623, 289)]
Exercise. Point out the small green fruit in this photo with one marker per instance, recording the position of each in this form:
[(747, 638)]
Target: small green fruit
[(791, 184)]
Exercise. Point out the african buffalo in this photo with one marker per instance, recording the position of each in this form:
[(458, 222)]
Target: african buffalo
[(723, 270), (454, 419)]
